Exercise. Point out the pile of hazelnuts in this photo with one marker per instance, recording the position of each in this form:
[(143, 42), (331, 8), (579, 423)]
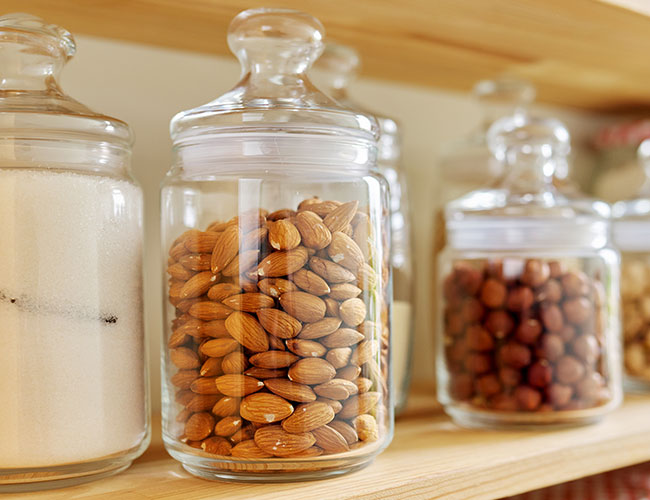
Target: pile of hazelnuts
[(525, 335)]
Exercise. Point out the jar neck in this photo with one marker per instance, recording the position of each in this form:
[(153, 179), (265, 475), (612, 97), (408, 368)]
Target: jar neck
[(529, 173)]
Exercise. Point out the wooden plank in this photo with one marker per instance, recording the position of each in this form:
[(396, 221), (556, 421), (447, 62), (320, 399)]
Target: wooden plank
[(582, 53), (429, 458)]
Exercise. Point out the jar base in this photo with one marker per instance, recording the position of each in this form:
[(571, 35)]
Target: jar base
[(472, 418)]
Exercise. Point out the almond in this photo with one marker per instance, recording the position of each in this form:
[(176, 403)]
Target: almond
[(311, 371), (283, 235), (283, 213), (225, 248), (364, 352), (204, 385), (366, 427), (321, 208), (227, 426), (306, 348), (201, 242), (307, 417), (217, 226), (275, 440), (215, 329), (366, 277), (199, 426), (278, 323), (201, 402), (303, 306), (360, 404), (344, 291), (216, 445), (177, 338), (241, 263), (293, 391), (264, 373), (249, 302), (249, 450), (245, 433), (250, 219), (337, 388), (313, 231), (178, 251), (332, 403), (343, 337), (211, 367), (353, 312), (254, 239), (183, 397), (331, 307), (339, 218), (320, 328), (193, 327), (208, 310), (276, 343), (246, 330), (217, 348), (237, 385), (330, 440), (350, 372), (339, 356), (265, 408), (310, 282), (179, 272), (175, 287), (346, 430), (282, 263), (235, 362), (273, 359), (370, 329), (183, 378), (183, 415), (344, 251), (276, 286), (313, 451), (363, 384), (196, 261), (185, 305), (226, 406), (330, 271), (184, 358)]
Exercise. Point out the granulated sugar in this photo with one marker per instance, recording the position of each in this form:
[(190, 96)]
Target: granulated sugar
[(71, 333)]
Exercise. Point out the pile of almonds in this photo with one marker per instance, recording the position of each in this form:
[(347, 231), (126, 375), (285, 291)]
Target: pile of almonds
[(635, 294), (525, 335), (280, 336)]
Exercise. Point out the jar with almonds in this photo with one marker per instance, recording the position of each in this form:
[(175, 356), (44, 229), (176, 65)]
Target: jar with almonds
[(529, 288), (632, 237), (278, 303)]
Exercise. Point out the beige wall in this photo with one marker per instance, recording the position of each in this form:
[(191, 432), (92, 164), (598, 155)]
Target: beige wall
[(146, 86)]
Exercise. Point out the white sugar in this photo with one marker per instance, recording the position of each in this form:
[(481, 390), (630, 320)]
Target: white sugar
[(71, 334)]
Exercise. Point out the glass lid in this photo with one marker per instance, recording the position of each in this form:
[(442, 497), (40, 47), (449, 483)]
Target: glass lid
[(32, 105), (525, 209), (275, 48)]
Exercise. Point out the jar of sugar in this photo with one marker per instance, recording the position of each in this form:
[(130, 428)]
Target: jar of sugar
[(72, 373)]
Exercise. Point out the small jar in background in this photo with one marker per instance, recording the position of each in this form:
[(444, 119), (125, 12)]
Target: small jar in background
[(72, 374), (333, 72), (529, 293), (631, 230)]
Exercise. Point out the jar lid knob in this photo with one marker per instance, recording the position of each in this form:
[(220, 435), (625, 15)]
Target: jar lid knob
[(276, 40), (339, 65), (21, 23)]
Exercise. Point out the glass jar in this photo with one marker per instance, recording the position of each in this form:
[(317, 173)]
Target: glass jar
[(72, 372), (528, 318), (274, 218), (335, 69), (632, 236)]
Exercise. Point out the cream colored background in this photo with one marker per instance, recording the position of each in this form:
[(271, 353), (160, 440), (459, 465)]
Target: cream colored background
[(146, 86)]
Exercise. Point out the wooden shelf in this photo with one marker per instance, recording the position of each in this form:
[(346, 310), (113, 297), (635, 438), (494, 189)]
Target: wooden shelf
[(429, 458), (583, 53)]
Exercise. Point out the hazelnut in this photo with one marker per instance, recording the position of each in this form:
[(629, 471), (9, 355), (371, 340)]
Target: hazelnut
[(586, 348), (551, 291), (504, 402), (527, 397), (540, 374), (535, 274), (494, 269), (455, 324), (461, 386), (590, 387), (515, 355), (509, 377), (550, 347), (468, 279), (478, 363), (520, 299), (499, 323), (578, 310), (575, 284), (472, 310), (551, 317), (478, 339), (599, 294), (488, 385), (567, 333), (449, 288), (559, 395), (493, 293), (458, 351), (569, 370), (528, 331), (556, 269)]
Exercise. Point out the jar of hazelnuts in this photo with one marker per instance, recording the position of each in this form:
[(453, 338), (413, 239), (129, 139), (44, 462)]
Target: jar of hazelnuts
[(632, 237), (529, 328), (278, 306)]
